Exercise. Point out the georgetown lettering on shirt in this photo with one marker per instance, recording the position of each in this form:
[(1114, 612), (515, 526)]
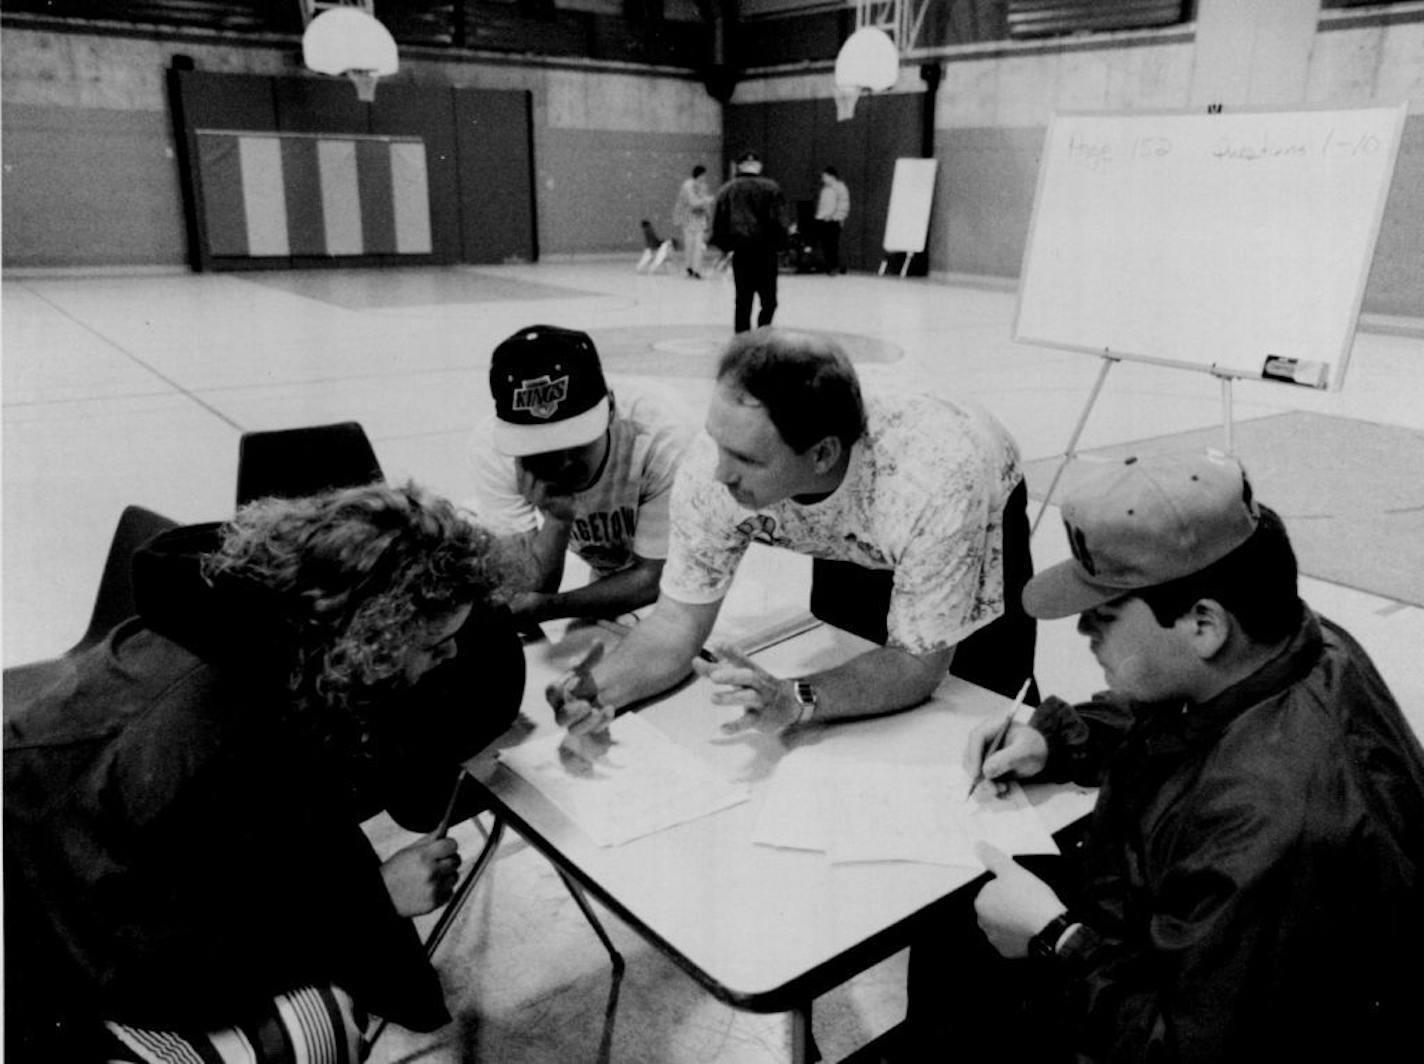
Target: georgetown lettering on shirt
[(604, 538)]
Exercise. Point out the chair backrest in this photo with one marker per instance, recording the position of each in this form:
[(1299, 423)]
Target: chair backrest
[(290, 463), (115, 599)]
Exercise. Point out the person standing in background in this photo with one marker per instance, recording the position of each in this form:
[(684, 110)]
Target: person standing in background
[(749, 222), (692, 213), (832, 209)]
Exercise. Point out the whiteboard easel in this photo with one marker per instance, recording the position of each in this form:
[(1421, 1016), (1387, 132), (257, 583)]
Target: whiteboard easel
[(1232, 244), (907, 222)]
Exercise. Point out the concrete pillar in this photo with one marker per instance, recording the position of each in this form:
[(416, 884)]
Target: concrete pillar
[(1253, 53)]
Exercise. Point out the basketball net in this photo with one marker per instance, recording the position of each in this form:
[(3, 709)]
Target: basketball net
[(846, 96), (365, 82)]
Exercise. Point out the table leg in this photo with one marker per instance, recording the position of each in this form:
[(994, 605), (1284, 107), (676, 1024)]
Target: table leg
[(457, 900), (588, 914), (452, 910), (799, 1021)]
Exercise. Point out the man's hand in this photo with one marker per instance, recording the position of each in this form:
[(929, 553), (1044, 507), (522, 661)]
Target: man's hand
[(770, 703), (1013, 906), (1024, 753), (421, 877), (538, 494), (574, 698)]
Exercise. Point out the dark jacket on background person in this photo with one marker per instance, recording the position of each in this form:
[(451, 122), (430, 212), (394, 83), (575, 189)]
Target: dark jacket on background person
[(1252, 879), (178, 849), (749, 210)]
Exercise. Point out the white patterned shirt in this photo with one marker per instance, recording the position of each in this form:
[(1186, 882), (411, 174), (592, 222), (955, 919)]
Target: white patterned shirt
[(923, 495), (625, 512)]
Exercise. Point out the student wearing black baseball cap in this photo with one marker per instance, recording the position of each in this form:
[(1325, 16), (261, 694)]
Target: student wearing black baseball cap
[(565, 466), (1251, 883)]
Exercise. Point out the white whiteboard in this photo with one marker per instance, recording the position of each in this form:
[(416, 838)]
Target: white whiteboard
[(907, 223), (1211, 241)]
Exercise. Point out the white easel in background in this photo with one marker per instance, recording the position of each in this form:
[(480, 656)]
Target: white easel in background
[(1231, 244), (907, 222)]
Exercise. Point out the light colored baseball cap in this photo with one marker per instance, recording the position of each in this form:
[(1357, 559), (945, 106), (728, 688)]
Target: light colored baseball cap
[(1143, 522)]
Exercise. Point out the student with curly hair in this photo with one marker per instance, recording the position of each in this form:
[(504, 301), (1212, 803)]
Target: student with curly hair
[(183, 856)]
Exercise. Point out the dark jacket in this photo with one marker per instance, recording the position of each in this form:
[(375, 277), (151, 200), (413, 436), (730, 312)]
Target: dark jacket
[(177, 852), (750, 212), (1253, 874)]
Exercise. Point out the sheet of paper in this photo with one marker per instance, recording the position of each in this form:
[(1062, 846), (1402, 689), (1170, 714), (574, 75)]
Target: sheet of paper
[(799, 806), (877, 811), (643, 783)]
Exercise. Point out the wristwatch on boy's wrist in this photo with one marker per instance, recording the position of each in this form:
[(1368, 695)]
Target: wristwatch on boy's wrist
[(1044, 945), (806, 700)]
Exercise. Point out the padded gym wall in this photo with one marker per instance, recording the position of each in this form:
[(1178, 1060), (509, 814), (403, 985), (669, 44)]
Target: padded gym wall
[(493, 130), (321, 179)]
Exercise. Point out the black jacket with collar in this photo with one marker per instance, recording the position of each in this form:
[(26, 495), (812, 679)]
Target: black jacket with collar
[(1252, 879)]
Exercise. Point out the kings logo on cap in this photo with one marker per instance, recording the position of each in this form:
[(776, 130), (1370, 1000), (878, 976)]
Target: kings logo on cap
[(541, 396)]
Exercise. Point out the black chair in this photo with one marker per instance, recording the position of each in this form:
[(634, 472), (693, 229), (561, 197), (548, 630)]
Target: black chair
[(113, 603), (289, 463)]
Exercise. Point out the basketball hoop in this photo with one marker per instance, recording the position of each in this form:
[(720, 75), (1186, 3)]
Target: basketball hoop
[(345, 41), (846, 96), (365, 82), (867, 62), (868, 59)]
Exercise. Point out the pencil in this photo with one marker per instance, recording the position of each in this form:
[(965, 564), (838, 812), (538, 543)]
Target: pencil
[(996, 742), (444, 828)]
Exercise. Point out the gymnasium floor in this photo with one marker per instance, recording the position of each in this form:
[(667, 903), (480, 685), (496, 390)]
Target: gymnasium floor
[(134, 387)]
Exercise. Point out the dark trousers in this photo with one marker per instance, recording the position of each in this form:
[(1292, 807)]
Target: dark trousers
[(998, 656), (754, 275), (830, 238)]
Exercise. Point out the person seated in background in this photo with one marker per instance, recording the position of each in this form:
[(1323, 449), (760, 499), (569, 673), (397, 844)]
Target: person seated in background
[(184, 861), (566, 465), (655, 249), (925, 490), (1251, 882)]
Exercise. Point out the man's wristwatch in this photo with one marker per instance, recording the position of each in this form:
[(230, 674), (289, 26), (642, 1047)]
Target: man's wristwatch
[(806, 699), (1044, 945)]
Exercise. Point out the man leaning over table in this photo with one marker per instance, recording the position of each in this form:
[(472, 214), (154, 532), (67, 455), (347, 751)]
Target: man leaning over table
[(1250, 886), (793, 456)]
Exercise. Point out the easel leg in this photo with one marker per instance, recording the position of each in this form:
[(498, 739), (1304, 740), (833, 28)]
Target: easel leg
[(1226, 420), (905, 266), (1070, 450)]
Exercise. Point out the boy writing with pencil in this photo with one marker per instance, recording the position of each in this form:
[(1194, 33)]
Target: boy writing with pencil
[(1250, 885)]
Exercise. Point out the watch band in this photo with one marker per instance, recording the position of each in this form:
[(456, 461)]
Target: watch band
[(1044, 945), (806, 699)]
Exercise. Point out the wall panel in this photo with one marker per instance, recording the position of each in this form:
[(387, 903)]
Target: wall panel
[(89, 187), (596, 185), (984, 199), (494, 152)]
